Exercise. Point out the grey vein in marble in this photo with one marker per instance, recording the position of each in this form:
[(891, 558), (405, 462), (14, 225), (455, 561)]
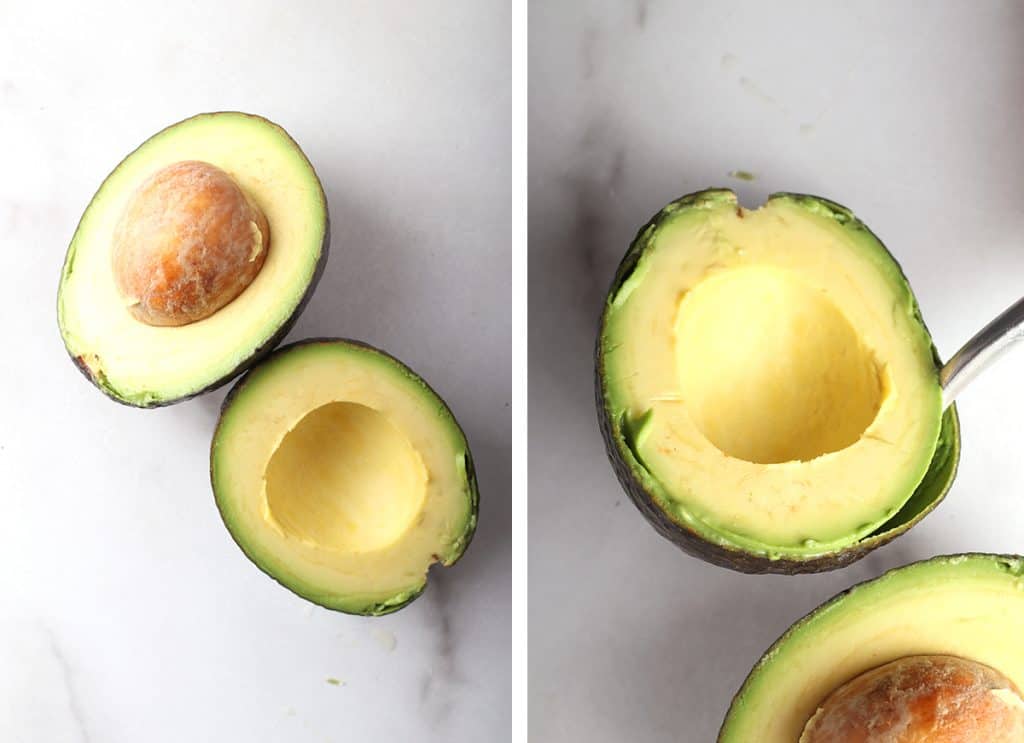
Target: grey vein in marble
[(589, 52), (642, 9), (74, 703), (436, 695), (592, 190)]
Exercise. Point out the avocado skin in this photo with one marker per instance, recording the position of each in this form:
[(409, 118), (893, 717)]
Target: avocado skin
[(257, 355), (380, 609), (1015, 559), (928, 494)]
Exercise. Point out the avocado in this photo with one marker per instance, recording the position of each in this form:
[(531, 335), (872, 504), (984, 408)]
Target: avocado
[(193, 259), (343, 476), (766, 388), (899, 626)]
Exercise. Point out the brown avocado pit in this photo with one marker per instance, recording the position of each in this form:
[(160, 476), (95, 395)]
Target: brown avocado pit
[(188, 242), (921, 699)]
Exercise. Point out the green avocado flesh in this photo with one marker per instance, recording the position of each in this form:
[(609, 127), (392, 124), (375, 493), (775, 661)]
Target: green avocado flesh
[(146, 365), (767, 388), (968, 606), (343, 476)]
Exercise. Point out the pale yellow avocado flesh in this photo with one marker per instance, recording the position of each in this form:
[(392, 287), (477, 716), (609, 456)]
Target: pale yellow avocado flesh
[(343, 476), (145, 364), (967, 606), (780, 388)]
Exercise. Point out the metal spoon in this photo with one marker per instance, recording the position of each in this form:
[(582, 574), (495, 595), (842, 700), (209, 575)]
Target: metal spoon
[(988, 344)]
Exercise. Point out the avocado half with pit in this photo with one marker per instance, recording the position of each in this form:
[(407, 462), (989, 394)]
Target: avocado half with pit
[(193, 259), (343, 476), (767, 390), (927, 652)]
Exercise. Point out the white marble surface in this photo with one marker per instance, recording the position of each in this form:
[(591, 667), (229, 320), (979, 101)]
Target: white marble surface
[(910, 115), (126, 612)]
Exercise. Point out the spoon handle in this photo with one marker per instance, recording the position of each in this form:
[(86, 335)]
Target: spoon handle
[(980, 351)]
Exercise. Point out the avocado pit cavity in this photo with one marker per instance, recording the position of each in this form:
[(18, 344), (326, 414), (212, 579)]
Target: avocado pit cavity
[(770, 369), (921, 699), (345, 478), (188, 242)]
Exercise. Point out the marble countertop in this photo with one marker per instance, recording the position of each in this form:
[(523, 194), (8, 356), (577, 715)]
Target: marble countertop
[(909, 117), (127, 613)]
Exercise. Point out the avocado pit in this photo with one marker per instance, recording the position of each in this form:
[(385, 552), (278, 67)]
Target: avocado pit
[(919, 699), (188, 242), (345, 478)]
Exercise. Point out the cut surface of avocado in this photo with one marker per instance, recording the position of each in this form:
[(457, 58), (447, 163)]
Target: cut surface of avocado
[(965, 606), (148, 365), (764, 377), (342, 475)]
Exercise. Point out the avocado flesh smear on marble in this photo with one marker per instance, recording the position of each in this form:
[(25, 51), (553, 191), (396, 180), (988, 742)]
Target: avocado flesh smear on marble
[(768, 389)]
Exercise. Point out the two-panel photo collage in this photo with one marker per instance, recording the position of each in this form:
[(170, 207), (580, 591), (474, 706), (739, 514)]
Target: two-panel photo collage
[(488, 371)]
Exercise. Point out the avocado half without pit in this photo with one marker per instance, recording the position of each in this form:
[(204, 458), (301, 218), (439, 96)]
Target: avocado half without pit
[(343, 476), (927, 653), (767, 390), (193, 259)]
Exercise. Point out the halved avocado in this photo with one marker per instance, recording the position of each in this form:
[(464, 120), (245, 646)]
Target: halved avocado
[(767, 390), (343, 476), (147, 365), (963, 606)]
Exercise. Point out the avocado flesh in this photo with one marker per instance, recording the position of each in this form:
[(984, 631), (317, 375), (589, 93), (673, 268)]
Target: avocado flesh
[(765, 382), (969, 606), (145, 365), (343, 476)]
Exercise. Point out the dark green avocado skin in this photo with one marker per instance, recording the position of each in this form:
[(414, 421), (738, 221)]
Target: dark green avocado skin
[(377, 610), (929, 493), (257, 355)]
